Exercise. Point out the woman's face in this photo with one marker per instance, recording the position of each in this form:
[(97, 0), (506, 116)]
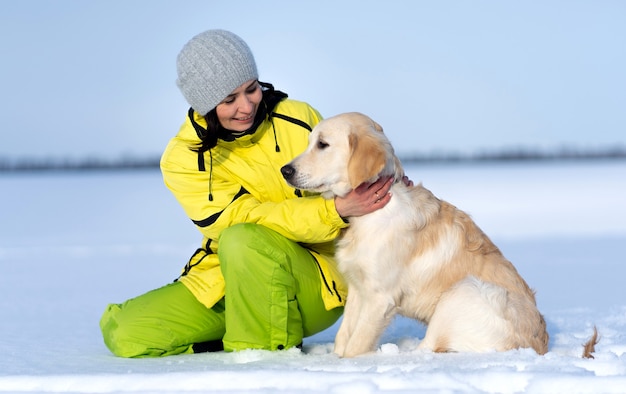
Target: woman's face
[(237, 111)]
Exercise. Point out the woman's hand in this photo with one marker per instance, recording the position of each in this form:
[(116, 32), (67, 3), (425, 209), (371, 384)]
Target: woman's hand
[(366, 198)]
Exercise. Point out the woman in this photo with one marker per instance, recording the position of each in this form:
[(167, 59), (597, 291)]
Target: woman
[(264, 276)]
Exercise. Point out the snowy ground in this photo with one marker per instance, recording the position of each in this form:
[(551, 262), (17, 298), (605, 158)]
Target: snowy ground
[(72, 242)]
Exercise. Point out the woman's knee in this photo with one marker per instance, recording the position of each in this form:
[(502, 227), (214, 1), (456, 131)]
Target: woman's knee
[(239, 236), (158, 323), (120, 334), (128, 333), (245, 242)]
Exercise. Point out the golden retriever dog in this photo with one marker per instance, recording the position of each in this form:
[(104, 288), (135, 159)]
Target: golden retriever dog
[(418, 256)]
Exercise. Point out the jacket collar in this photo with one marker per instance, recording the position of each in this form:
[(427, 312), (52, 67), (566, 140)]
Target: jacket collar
[(271, 98)]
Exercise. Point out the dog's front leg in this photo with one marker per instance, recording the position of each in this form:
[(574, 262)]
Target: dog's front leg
[(350, 316), (372, 319)]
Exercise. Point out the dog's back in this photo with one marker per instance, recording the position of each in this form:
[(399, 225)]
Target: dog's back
[(477, 291)]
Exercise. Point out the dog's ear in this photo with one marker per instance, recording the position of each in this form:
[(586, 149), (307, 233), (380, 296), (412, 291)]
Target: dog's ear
[(378, 127), (367, 158)]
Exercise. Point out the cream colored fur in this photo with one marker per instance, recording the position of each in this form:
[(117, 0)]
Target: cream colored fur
[(419, 256)]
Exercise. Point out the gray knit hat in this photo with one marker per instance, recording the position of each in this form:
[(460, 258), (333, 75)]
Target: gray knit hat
[(210, 66)]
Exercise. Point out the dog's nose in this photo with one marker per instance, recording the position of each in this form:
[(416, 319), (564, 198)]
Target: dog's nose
[(288, 171)]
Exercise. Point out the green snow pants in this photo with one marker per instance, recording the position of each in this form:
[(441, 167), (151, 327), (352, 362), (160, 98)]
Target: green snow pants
[(272, 302)]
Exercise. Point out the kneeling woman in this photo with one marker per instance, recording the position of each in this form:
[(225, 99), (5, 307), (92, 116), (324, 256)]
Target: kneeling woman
[(264, 276)]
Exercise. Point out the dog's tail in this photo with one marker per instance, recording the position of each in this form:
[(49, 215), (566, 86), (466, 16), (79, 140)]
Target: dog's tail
[(590, 346)]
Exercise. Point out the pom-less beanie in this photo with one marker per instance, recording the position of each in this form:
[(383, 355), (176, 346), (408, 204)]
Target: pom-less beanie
[(210, 66)]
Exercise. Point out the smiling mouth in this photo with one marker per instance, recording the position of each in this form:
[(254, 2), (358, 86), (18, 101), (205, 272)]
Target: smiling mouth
[(244, 119)]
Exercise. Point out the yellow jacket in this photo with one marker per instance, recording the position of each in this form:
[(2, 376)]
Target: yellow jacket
[(239, 181)]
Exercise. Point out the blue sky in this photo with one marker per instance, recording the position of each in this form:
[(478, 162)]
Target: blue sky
[(96, 78)]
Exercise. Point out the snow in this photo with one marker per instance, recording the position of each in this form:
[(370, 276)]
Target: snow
[(72, 242)]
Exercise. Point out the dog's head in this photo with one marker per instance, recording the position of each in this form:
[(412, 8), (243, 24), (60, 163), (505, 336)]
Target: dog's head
[(344, 151)]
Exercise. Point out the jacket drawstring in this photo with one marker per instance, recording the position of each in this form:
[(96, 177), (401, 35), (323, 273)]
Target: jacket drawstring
[(274, 129), (210, 175), (201, 159), (201, 167)]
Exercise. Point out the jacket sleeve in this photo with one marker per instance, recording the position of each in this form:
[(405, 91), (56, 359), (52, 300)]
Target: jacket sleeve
[(309, 219), (306, 219)]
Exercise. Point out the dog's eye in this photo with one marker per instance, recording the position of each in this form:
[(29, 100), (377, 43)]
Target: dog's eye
[(321, 144)]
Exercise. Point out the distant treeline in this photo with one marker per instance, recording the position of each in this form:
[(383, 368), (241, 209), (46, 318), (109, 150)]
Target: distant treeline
[(88, 164), (521, 155), (152, 162)]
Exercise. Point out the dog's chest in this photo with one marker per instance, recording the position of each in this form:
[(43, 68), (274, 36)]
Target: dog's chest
[(366, 249)]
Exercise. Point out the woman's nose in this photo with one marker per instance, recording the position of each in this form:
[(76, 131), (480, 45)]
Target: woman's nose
[(245, 104)]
